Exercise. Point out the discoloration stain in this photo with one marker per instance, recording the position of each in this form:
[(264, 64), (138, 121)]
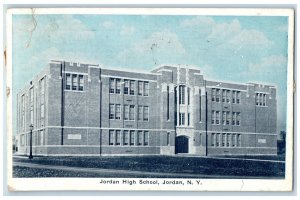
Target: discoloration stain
[(152, 47), (10, 188), (34, 22), (52, 28), (5, 56), (160, 42), (294, 87), (7, 91), (242, 185)]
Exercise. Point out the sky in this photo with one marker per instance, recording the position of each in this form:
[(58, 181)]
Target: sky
[(238, 49)]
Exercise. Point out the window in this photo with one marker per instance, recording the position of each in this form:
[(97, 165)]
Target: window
[(260, 99), (217, 95), (175, 96), (189, 93), (118, 137), (264, 99), (74, 81), (224, 117), (31, 105), (233, 96), (238, 97), (140, 137), (217, 117), (213, 94), (118, 86), (143, 88), (257, 99), (111, 85), (111, 111), (213, 139), (233, 140), (181, 119), (213, 117), (131, 87), (227, 118), (218, 139), (140, 88), (168, 139), (111, 137), (131, 138), (181, 94), (126, 86), (189, 118), (223, 96), (238, 118), (168, 103), (126, 112), (42, 102), (223, 139), (146, 138), (146, 88), (140, 113), (146, 113), (233, 118), (23, 112), (68, 82), (131, 112), (118, 111), (42, 86), (125, 138), (81, 83), (228, 96), (238, 144), (228, 140), (200, 116)]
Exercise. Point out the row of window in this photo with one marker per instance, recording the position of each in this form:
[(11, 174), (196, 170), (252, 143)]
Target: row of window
[(225, 140), (129, 87), (129, 112), (260, 99), (128, 138), (74, 82), (182, 119), (227, 117), (41, 104), (182, 92), (227, 95)]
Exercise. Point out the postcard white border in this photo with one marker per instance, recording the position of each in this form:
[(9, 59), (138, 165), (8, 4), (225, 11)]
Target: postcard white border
[(82, 184)]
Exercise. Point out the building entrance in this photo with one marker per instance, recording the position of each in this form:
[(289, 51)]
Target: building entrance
[(181, 144)]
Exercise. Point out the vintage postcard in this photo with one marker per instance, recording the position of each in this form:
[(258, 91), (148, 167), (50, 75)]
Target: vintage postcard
[(154, 99)]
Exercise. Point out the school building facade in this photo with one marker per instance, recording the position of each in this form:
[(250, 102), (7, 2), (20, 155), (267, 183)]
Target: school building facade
[(81, 109)]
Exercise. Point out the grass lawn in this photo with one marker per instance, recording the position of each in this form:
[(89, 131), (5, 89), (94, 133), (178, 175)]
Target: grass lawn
[(26, 172), (170, 164)]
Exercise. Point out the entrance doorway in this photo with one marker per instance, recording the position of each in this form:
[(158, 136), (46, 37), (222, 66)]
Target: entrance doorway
[(181, 144)]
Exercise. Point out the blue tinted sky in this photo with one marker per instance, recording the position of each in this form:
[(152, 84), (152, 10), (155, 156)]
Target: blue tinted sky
[(235, 49)]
